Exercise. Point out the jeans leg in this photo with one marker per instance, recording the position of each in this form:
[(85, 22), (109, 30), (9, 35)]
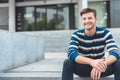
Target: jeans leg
[(70, 67), (117, 70), (83, 70), (109, 71), (113, 69), (67, 72)]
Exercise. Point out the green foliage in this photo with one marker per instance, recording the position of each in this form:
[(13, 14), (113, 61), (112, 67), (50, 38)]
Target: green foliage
[(53, 24)]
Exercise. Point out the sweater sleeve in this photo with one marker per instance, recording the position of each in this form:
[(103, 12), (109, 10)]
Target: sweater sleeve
[(73, 47), (115, 53), (111, 46)]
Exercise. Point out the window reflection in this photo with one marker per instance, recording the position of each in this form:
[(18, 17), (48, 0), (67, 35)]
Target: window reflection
[(29, 19), (63, 17), (4, 18), (3, 1), (102, 13), (51, 18), (40, 18), (56, 17), (25, 19), (26, 0)]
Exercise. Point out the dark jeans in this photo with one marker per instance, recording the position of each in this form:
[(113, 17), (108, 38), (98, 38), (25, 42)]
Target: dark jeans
[(83, 70)]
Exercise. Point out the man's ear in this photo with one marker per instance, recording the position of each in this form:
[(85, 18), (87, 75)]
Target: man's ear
[(96, 19)]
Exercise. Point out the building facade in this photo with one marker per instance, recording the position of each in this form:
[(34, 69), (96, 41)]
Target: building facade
[(42, 15)]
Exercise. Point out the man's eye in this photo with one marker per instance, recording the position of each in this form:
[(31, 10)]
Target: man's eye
[(90, 18), (84, 19)]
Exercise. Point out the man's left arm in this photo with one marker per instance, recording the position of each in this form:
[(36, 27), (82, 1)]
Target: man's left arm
[(110, 59), (96, 73), (112, 48), (113, 57)]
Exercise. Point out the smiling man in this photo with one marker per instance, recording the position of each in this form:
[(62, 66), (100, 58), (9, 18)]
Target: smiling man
[(87, 49)]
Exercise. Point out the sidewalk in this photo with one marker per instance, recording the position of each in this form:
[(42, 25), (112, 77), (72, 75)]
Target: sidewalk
[(52, 62)]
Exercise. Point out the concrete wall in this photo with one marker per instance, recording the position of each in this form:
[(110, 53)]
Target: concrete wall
[(58, 40), (18, 49)]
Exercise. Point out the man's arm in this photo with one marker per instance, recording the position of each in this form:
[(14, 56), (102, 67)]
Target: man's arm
[(96, 73), (83, 60), (110, 59), (95, 63), (112, 48)]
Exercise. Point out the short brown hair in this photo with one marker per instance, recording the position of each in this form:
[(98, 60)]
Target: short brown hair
[(87, 10)]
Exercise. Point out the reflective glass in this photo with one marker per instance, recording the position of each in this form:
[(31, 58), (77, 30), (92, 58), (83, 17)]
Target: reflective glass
[(3, 1), (102, 14), (63, 17), (27, 0), (40, 18), (51, 17), (4, 18), (25, 18), (29, 19)]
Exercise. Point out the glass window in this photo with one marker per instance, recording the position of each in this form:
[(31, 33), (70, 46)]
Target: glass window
[(57, 17), (63, 17), (76, 17), (25, 19), (102, 13), (27, 0), (51, 17), (19, 0), (29, 23), (40, 18), (3, 1), (4, 18)]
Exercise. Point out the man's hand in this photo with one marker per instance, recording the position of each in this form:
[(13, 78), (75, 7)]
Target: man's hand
[(100, 64), (95, 74)]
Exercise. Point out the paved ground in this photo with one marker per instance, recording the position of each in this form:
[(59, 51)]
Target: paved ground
[(52, 62)]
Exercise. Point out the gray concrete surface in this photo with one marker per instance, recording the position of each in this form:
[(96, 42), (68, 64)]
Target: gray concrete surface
[(17, 49), (58, 40), (48, 69)]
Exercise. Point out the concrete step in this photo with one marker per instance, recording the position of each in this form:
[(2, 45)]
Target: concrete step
[(60, 38), (40, 76), (48, 69), (30, 76)]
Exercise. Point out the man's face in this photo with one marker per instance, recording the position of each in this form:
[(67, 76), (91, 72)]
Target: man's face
[(88, 20)]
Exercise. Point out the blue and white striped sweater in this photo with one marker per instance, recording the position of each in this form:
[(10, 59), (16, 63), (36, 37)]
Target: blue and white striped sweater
[(94, 46)]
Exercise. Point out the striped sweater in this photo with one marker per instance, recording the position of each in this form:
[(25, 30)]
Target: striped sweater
[(93, 46)]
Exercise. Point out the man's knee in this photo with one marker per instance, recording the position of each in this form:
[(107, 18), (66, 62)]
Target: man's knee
[(117, 65), (68, 63)]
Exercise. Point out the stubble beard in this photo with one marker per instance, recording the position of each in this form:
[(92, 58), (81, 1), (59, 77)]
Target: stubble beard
[(89, 27)]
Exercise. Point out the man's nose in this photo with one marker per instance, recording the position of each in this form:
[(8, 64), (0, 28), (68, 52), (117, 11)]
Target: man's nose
[(87, 20)]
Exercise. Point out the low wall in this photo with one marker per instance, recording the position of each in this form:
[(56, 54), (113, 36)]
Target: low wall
[(58, 40), (18, 49)]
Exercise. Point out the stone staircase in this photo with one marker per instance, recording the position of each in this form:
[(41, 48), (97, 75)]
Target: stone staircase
[(48, 69), (56, 43)]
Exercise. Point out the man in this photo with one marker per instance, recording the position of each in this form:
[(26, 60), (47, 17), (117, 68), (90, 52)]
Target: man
[(87, 49)]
